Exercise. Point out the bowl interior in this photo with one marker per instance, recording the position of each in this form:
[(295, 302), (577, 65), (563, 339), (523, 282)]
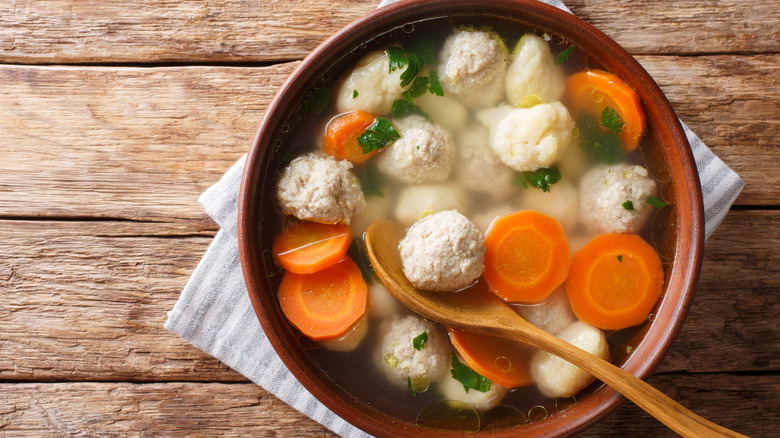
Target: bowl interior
[(677, 231)]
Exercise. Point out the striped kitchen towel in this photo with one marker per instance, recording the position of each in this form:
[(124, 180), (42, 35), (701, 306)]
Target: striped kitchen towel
[(214, 312)]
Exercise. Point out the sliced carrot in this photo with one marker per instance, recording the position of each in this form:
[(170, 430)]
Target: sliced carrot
[(324, 305), (306, 247), (614, 281), (502, 361), (594, 90), (527, 256), (341, 136)]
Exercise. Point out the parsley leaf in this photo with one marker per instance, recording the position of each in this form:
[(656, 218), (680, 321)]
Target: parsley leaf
[(655, 202), (398, 58), (611, 120), (603, 146), (402, 108), (539, 178), (380, 134), (564, 55), (620, 258), (425, 50), (419, 341), (468, 377), (628, 205), (409, 385), (422, 52), (435, 87), (354, 94), (316, 101), (418, 88)]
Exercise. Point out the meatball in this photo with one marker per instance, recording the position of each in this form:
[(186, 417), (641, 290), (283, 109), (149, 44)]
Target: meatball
[(472, 67), (320, 188), (376, 86), (532, 138), (555, 377), (533, 76), (443, 252), (552, 315), (401, 362), (477, 167), (416, 202), (424, 153), (561, 202), (605, 189), (451, 389)]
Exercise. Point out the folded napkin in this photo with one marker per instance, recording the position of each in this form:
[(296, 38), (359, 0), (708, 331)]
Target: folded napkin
[(214, 312)]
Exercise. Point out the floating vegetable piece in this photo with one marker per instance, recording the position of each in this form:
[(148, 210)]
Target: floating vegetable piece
[(615, 281), (307, 247), (502, 361), (341, 136)]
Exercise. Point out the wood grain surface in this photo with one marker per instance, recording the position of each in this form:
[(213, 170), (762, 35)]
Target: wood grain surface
[(116, 116)]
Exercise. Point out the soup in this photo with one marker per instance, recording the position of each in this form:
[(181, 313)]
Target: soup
[(452, 124)]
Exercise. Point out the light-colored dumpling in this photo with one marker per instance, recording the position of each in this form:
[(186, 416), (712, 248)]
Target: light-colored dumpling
[(574, 162), (484, 219), (604, 190), (397, 358), (443, 252), (416, 202), (551, 315), (477, 167), (451, 389), (376, 86), (424, 153), (555, 377), (533, 76), (444, 110), (561, 202), (532, 138), (381, 304), (349, 340), (320, 188), (472, 66)]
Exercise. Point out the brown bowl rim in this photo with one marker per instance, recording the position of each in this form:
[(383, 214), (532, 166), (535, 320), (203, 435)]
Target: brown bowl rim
[(690, 228)]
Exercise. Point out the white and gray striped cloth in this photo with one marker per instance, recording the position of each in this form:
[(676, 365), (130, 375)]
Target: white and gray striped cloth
[(214, 312)]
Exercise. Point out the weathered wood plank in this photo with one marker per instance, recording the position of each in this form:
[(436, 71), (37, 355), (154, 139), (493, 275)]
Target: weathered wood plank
[(193, 409), (64, 31), (88, 300), (124, 142), (143, 143)]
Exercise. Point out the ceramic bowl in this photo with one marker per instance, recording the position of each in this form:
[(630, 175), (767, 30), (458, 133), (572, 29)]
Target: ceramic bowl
[(677, 231)]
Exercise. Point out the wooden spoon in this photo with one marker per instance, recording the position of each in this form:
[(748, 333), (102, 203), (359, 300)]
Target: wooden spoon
[(480, 311)]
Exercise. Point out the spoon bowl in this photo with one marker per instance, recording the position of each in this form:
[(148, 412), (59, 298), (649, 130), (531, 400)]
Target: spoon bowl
[(476, 309)]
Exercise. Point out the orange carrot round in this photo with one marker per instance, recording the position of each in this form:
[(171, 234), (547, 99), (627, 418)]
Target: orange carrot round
[(342, 133), (614, 281), (594, 90), (527, 256), (306, 247), (324, 305), (502, 361)]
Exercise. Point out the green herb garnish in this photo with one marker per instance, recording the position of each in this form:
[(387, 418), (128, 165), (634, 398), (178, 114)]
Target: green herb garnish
[(611, 120), (354, 94), (419, 341), (539, 178), (418, 88), (468, 377), (402, 108), (435, 87), (628, 205), (620, 258), (409, 384), (564, 55), (600, 145), (380, 134), (655, 202), (371, 180), (422, 52), (316, 101)]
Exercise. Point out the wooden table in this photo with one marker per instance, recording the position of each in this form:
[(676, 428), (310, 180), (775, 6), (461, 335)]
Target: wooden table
[(115, 116)]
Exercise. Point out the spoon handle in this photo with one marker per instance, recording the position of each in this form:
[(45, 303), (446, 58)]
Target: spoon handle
[(653, 401)]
